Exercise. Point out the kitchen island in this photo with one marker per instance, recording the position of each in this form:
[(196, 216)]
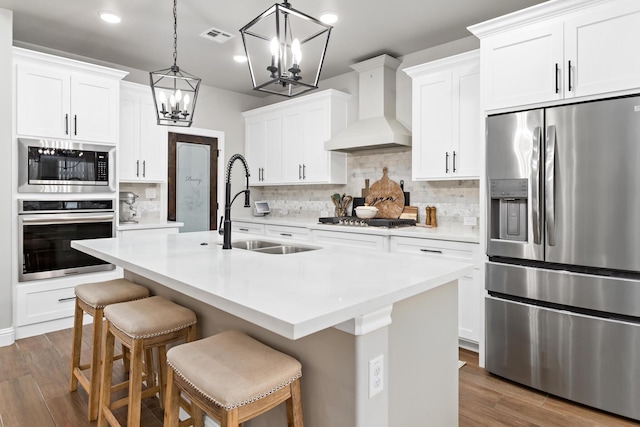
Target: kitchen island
[(335, 309)]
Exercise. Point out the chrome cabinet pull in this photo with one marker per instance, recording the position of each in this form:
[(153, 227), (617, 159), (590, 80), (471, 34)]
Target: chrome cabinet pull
[(138, 168), (66, 124), (75, 124), (299, 171), (66, 299), (304, 171), (446, 162), (454, 162), (286, 234), (556, 78), (244, 229), (144, 168)]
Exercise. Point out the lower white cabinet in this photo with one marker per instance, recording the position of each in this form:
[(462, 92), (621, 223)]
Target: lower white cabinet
[(247, 227), (287, 232), (469, 287), (357, 240)]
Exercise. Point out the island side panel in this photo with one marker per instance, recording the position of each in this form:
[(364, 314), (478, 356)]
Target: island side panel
[(331, 378), (423, 360)]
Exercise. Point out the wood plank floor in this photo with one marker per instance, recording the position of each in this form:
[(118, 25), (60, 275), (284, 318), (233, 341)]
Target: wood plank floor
[(34, 378)]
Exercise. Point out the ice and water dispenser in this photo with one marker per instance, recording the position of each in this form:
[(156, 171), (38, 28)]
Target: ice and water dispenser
[(509, 198)]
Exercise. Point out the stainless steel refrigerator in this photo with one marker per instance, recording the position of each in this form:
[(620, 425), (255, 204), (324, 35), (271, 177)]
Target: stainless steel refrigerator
[(563, 270)]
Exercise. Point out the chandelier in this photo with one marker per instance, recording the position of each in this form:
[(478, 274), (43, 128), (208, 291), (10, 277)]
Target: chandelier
[(174, 90), (285, 50)]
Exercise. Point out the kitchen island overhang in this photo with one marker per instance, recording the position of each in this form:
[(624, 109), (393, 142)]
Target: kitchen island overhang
[(403, 307)]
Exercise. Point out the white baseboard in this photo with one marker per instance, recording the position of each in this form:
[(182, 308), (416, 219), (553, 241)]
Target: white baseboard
[(7, 337), (468, 345)]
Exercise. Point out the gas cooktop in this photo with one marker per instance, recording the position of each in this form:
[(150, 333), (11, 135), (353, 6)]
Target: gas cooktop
[(371, 222)]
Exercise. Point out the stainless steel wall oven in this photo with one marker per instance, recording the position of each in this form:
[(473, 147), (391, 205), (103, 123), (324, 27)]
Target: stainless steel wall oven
[(46, 229), (51, 166)]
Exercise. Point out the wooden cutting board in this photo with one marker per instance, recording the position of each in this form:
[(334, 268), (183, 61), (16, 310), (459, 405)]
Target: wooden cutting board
[(387, 196)]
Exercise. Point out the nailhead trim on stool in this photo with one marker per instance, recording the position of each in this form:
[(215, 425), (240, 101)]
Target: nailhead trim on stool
[(91, 298), (233, 378), (141, 325)]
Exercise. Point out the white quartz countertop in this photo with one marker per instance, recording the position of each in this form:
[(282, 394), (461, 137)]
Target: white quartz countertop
[(293, 295), (147, 225), (453, 233)]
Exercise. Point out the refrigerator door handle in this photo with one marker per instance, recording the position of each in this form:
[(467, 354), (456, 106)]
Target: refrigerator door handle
[(550, 185), (535, 186)]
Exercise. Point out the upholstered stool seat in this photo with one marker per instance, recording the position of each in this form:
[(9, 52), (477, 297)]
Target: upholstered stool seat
[(92, 298), (141, 325), (233, 378)]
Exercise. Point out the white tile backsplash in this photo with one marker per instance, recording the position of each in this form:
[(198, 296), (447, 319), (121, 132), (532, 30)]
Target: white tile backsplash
[(454, 200), (148, 210)]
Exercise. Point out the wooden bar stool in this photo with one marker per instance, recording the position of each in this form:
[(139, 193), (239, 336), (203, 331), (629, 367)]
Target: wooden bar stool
[(92, 298), (233, 378), (141, 325)]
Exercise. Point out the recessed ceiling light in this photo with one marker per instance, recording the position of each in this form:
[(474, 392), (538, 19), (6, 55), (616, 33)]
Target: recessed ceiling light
[(329, 17), (110, 17), (240, 58)]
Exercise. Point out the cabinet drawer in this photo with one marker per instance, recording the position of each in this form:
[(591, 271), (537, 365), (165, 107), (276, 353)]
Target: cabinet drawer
[(247, 227), (286, 232), (37, 305), (357, 240), (435, 248)]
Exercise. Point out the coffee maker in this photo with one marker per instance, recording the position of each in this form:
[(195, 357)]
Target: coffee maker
[(127, 208)]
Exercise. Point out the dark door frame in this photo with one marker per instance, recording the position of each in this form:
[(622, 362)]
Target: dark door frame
[(212, 142)]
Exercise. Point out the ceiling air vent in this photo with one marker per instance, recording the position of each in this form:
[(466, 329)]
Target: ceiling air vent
[(216, 35)]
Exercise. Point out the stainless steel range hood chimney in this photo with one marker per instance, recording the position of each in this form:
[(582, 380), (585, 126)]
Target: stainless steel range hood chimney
[(377, 126)]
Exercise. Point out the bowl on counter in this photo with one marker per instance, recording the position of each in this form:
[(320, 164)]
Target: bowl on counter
[(366, 212)]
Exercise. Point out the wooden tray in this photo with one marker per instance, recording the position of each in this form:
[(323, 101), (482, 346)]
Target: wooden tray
[(387, 196)]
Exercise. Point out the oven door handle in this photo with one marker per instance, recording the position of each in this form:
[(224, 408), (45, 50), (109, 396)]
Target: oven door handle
[(66, 219)]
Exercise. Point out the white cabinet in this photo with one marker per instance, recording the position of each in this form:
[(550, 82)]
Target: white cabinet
[(142, 154), (246, 227), (469, 287), (286, 232), (357, 240), (447, 119), (64, 99), (285, 141), (263, 148), (559, 50)]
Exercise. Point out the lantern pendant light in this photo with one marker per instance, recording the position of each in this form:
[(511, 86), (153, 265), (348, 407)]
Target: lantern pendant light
[(174, 90), (274, 43)]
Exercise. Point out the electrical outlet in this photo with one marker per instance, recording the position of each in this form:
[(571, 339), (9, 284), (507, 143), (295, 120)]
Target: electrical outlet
[(376, 375), (470, 220), (150, 193)]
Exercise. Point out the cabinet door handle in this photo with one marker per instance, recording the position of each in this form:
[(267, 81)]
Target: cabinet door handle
[(446, 162), (261, 174), (432, 251), (75, 124), (454, 162), (304, 171), (286, 234), (569, 76), (137, 168), (556, 78), (299, 171), (244, 229), (144, 168), (66, 124), (66, 299)]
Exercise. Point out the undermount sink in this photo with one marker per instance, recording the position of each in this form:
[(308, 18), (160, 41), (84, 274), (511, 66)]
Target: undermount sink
[(267, 247), (252, 245)]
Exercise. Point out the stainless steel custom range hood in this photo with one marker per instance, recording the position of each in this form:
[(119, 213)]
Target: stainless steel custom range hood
[(376, 126)]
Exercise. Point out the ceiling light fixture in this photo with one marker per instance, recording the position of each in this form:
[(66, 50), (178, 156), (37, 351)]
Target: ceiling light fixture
[(174, 91), (110, 17), (329, 17), (275, 42)]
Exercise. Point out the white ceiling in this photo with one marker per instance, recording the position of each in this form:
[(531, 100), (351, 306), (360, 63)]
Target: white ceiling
[(144, 38)]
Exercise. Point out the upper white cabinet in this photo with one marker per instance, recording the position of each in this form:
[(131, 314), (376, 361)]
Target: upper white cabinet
[(559, 50), (142, 153), (65, 99), (285, 141), (447, 118)]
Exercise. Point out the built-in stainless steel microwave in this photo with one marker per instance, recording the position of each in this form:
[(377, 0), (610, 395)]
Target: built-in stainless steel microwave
[(61, 166)]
